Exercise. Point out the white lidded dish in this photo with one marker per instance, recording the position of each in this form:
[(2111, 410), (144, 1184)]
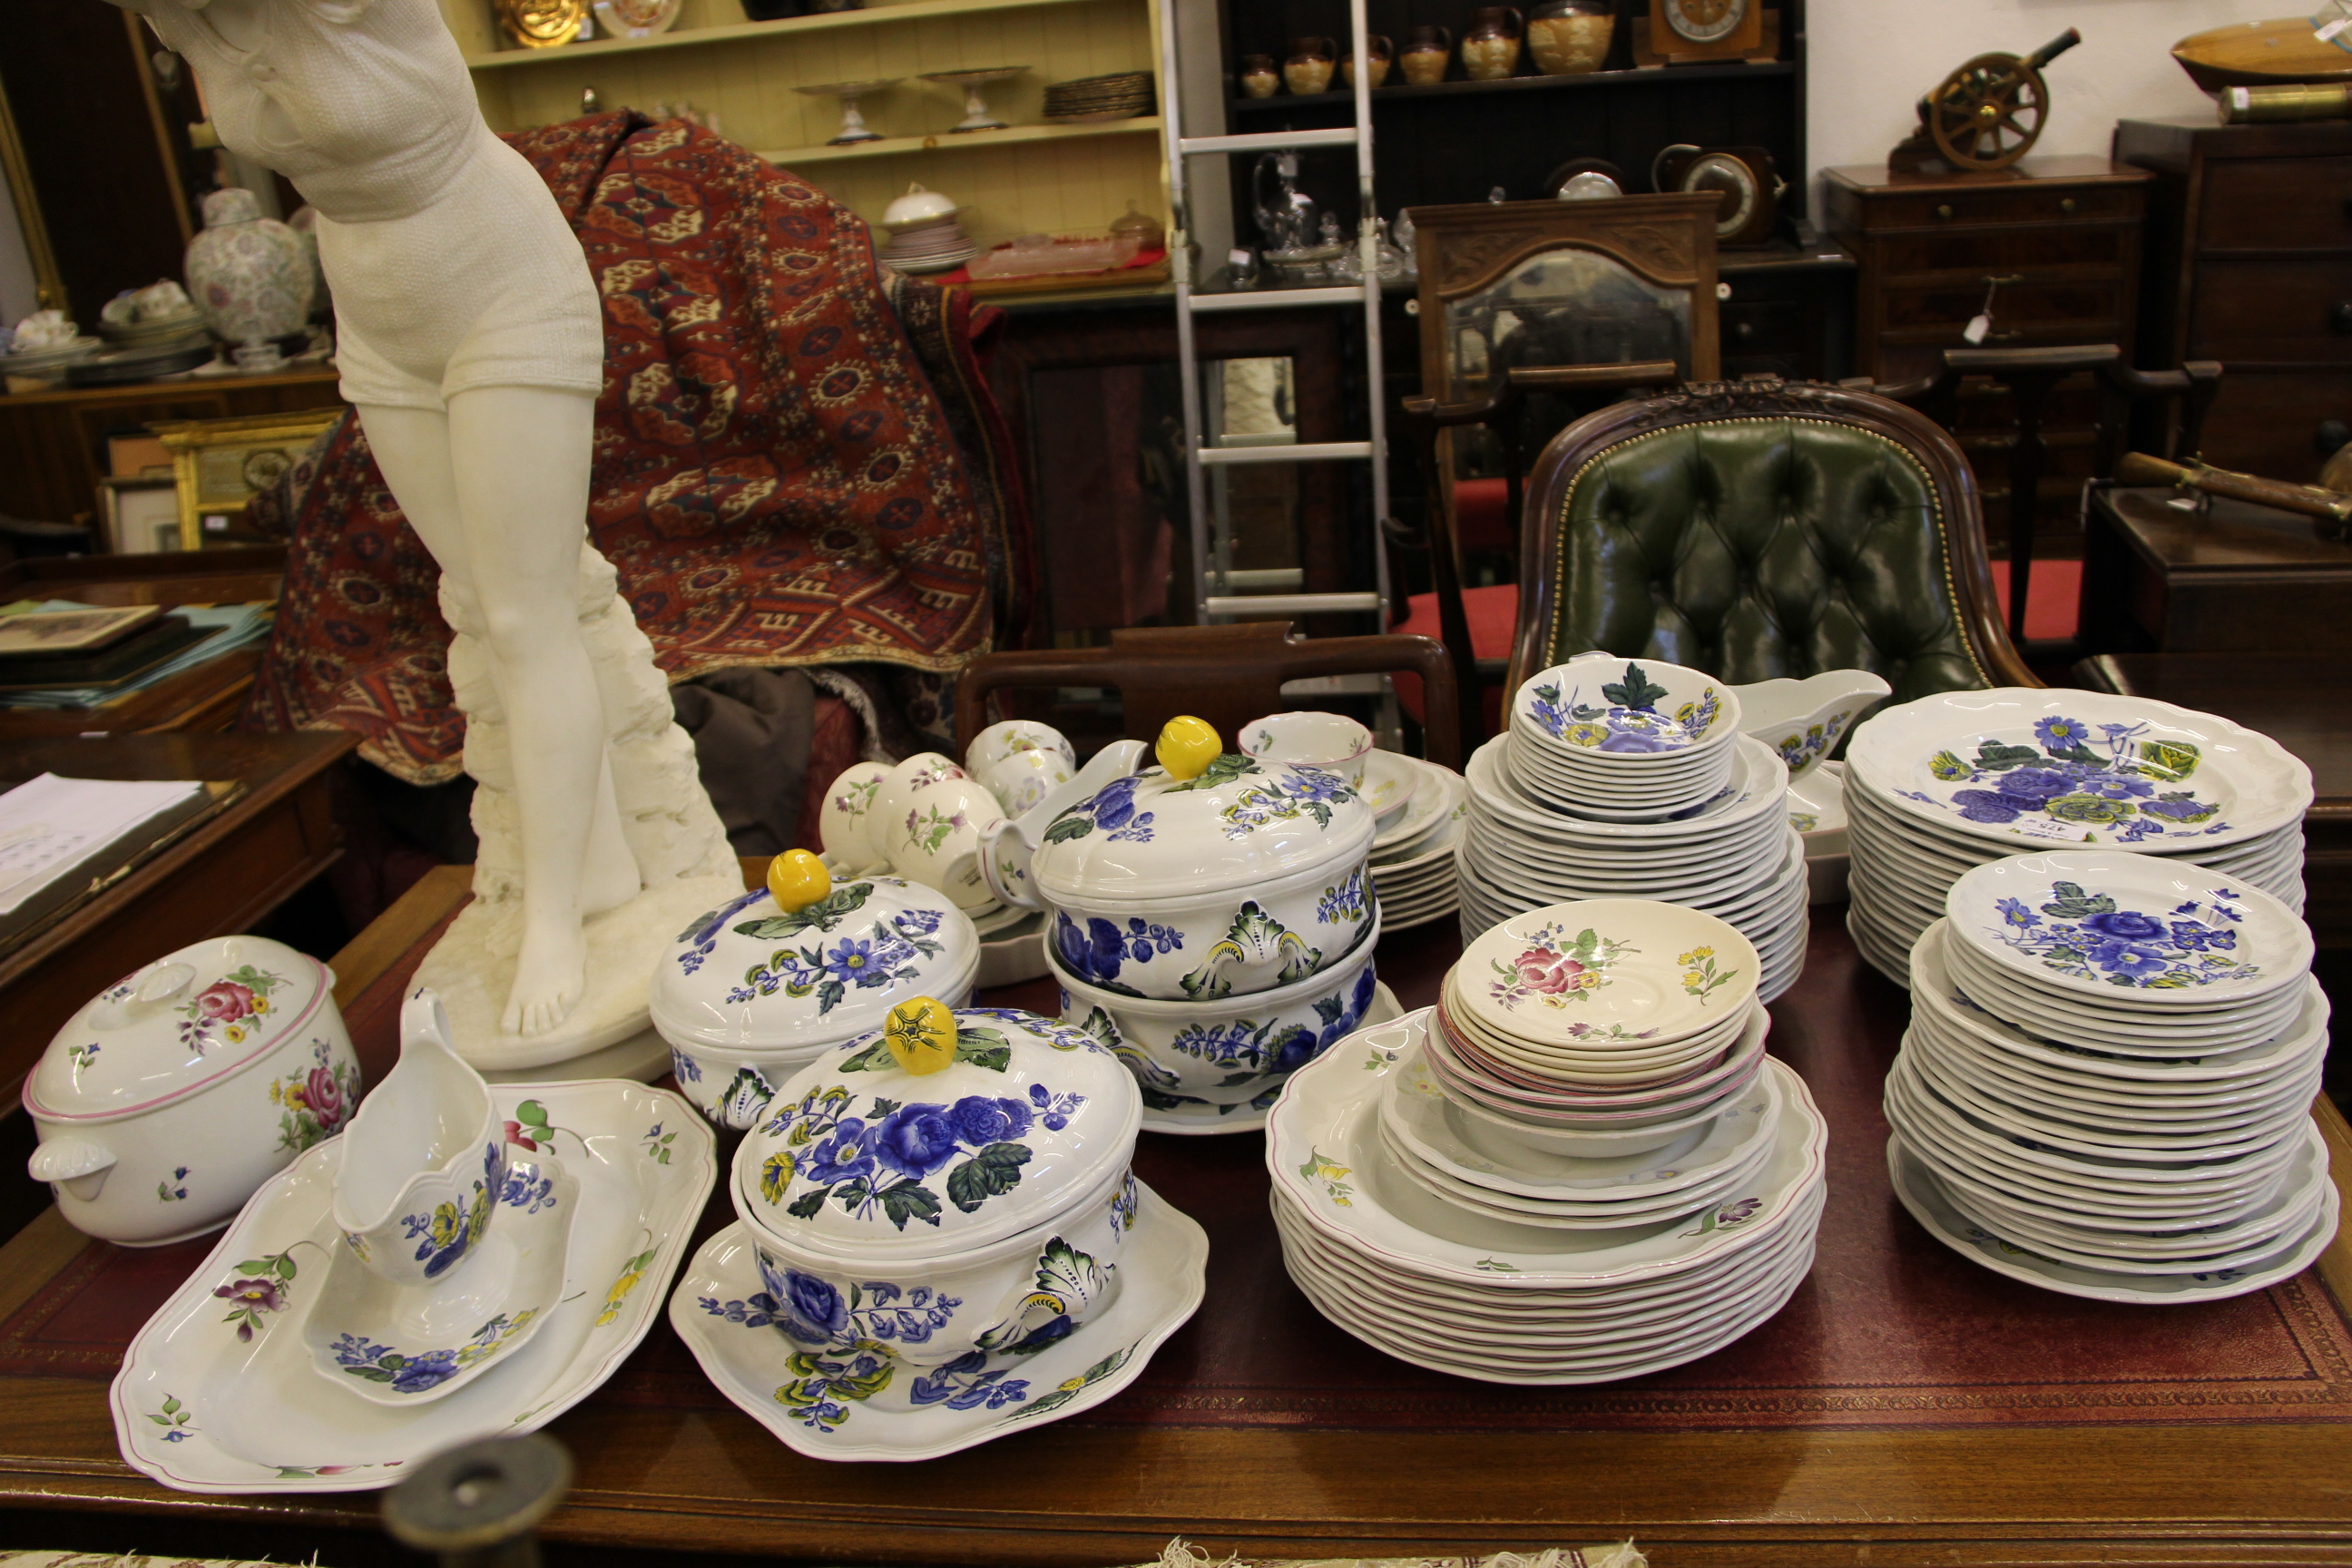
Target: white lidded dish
[(751, 992), (961, 1184), (173, 1094)]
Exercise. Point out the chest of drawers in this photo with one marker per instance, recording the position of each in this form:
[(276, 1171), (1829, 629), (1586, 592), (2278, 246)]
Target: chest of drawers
[(2249, 262), (2054, 241)]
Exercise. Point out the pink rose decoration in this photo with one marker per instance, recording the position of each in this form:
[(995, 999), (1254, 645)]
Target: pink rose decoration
[(324, 1096), (1548, 972), (223, 1002), (514, 1136)]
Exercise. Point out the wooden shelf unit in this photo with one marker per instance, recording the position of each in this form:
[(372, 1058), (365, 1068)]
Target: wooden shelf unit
[(1037, 175)]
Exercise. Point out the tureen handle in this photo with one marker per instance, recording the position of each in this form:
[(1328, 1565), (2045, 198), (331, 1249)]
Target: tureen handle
[(76, 1164)]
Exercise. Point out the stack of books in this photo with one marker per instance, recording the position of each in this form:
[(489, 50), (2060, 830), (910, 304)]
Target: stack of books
[(57, 654)]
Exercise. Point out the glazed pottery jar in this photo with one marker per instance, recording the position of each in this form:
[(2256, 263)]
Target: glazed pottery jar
[(1379, 51), (1258, 77), (1570, 38), (163, 1103), (248, 274), (755, 990), (955, 1183), (1490, 46), (1212, 874), (1308, 67), (1425, 53)]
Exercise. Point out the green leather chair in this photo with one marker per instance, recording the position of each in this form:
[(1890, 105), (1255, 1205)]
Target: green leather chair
[(1759, 528)]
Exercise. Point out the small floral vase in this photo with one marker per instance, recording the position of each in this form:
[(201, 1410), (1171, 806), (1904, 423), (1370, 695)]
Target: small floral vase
[(249, 275)]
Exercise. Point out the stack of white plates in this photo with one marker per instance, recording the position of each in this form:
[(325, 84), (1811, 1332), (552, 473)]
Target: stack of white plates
[(1935, 786), (928, 245), (1617, 739), (184, 329), (1735, 856), (1424, 1240), (2106, 1085), (1413, 855)]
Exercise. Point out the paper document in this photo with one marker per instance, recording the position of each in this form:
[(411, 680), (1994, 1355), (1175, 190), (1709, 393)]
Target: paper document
[(50, 825)]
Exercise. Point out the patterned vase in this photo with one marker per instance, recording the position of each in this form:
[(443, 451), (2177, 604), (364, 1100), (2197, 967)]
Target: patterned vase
[(248, 274)]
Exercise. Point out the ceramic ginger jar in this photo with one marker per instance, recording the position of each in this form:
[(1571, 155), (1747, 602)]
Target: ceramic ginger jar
[(249, 275), (178, 1090), (954, 1185), (754, 991)]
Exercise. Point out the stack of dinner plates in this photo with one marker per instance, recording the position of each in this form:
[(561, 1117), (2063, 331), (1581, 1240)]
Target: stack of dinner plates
[(1413, 855), (1950, 782), (928, 244), (1119, 96), (1733, 855), (2105, 1089), (1434, 1240)]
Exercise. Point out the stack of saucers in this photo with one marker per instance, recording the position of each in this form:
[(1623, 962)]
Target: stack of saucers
[(1458, 1241), (1413, 854), (1950, 782), (2106, 1084), (928, 244), (1530, 840)]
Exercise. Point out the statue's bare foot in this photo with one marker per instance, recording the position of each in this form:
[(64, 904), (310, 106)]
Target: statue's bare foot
[(551, 972)]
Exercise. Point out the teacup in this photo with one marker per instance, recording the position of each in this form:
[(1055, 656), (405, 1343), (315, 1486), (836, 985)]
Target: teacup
[(845, 825), (1021, 780), (896, 793), (1013, 737), (936, 840), (423, 1160), (1327, 741)]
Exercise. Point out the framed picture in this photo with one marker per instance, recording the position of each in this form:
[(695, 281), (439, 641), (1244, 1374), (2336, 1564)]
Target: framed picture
[(70, 631), (219, 465)]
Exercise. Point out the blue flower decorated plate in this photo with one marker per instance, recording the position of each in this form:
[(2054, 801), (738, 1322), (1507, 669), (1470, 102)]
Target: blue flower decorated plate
[(864, 1403), (2029, 766), (2129, 934), (398, 1345)]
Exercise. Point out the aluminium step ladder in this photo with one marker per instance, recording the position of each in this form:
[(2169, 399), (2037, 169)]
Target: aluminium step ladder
[(1218, 591)]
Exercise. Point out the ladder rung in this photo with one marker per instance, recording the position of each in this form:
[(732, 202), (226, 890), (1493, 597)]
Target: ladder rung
[(1306, 452), (1288, 603), (1268, 140), (1247, 579), (1275, 298)]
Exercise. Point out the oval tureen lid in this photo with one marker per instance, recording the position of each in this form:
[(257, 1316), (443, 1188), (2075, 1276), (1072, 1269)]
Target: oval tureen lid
[(801, 964), (944, 1133), (1202, 821), (187, 1020)]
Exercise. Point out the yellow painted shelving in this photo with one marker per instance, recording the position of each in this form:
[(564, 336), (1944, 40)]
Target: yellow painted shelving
[(740, 32), (973, 141)]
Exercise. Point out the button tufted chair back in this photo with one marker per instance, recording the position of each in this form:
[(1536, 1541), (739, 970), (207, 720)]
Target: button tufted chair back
[(1763, 529)]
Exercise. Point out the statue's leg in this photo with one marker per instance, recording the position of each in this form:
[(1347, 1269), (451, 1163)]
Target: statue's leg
[(498, 491)]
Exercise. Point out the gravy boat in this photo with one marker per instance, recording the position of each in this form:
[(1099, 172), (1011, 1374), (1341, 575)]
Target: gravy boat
[(423, 1160), (1804, 720)]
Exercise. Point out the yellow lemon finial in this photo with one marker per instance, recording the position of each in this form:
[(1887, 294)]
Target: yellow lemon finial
[(798, 880), (1187, 745), (921, 1034)]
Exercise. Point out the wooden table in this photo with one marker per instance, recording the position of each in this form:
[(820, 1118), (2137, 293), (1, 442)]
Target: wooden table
[(1906, 1407), (232, 870), (2238, 578)]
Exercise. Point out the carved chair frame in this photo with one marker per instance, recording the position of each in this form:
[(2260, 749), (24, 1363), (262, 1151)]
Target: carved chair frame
[(1958, 505)]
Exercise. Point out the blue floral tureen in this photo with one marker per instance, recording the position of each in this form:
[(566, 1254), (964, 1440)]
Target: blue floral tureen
[(1209, 876), (956, 1182), (754, 990)]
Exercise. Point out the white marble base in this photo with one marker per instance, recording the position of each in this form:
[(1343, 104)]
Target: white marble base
[(624, 945), (642, 1056)]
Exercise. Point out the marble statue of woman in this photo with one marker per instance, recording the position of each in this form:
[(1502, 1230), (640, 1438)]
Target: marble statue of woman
[(470, 339)]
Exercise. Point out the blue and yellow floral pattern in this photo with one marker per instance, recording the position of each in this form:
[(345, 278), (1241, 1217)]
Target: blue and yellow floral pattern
[(879, 1162), (1626, 718), (2088, 936), (2080, 782), (424, 1371), (886, 953)]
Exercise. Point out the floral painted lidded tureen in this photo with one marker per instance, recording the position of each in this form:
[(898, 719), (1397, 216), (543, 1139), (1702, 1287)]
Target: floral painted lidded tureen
[(1213, 874), (903, 1146), (753, 975), (176, 1091)]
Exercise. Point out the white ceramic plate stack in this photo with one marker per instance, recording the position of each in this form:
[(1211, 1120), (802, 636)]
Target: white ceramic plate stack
[(2106, 1085), (1950, 782), (1735, 856), (1619, 740), (1524, 1268), (928, 245), (1413, 854)]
